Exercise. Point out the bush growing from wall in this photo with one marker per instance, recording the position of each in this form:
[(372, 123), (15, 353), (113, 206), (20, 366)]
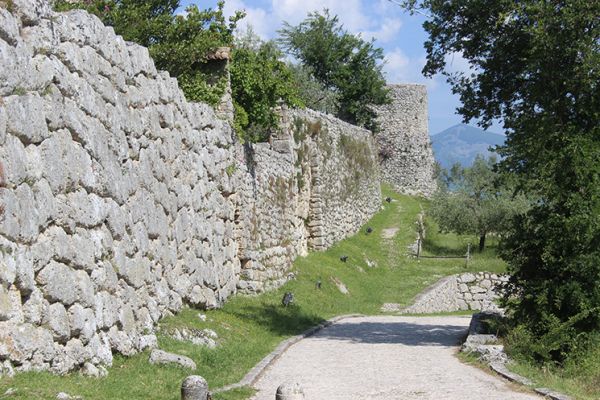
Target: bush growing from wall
[(182, 45), (259, 82), (179, 44)]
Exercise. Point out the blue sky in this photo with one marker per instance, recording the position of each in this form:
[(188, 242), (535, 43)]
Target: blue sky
[(398, 33)]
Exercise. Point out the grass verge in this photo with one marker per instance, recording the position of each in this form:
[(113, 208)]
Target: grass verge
[(578, 378), (250, 327)]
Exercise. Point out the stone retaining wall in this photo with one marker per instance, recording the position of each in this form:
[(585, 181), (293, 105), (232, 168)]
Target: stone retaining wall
[(459, 292), (121, 202)]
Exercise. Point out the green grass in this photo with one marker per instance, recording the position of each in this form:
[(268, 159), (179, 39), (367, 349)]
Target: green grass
[(579, 378), (250, 327)]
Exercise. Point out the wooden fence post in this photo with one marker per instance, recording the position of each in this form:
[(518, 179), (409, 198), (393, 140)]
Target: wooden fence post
[(468, 255)]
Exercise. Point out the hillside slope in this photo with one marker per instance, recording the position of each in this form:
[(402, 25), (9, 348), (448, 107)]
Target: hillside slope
[(461, 143)]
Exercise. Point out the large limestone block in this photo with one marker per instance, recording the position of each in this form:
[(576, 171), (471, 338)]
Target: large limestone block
[(12, 155), (64, 285), (9, 27), (10, 304), (58, 321), (18, 203), (26, 118), (80, 209), (31, 11), (19, 342), (162, 357)]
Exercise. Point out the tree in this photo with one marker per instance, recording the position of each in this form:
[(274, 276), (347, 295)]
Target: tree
[(259, 81), (182, 45), (179, 44), (473, 200), (343, 63), (312, 92), (536, 65)]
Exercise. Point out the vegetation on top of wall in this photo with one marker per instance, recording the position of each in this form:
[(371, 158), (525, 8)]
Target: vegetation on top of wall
[(344, 64), (260, 81), (179, 44), (183, 45)]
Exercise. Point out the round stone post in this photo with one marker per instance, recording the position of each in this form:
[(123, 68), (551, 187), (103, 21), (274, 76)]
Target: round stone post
[(194, 387), (290, 391)]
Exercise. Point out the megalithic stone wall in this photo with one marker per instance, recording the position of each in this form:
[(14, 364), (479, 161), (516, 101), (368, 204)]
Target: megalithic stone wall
[(405, 153), (120, 201), (117, 208)]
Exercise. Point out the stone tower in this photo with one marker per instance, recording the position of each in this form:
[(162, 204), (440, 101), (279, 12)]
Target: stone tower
[(405, 152)]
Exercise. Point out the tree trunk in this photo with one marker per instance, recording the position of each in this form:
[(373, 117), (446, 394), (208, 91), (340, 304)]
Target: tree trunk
[(481, 242)]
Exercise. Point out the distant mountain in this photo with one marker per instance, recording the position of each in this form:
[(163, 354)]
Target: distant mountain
[(461, 143)]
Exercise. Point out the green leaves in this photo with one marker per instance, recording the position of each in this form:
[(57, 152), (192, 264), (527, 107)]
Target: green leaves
[(343, 63), (180, 44), (537, 67), (260, 81), (479, 202)]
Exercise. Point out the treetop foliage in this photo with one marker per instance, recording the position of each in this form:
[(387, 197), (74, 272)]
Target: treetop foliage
[(476, 200), (343, 63)]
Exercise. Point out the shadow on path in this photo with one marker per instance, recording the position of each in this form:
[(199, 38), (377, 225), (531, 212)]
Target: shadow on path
[(405, 333)]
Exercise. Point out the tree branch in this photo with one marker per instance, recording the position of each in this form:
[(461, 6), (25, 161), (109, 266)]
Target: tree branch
[(399, 3)]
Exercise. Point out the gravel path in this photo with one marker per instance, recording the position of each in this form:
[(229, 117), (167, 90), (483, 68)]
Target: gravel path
[(385, 357)]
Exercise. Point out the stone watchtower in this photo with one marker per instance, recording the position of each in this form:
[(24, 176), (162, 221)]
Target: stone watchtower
[(405, 153)]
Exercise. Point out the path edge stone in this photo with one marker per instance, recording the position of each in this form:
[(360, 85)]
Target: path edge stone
[(500, 368), (258, 370)]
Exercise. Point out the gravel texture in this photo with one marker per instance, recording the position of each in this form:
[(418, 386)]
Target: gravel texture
[(385, 357)]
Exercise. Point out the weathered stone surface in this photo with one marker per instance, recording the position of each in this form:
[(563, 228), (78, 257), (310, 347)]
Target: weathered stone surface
[(18, 342), (403, 143), (459, 292), (162, 357), (194, 387), (58, 321), (9, 27), (201, 337), (289, 391), (123, 202), (26, 118)]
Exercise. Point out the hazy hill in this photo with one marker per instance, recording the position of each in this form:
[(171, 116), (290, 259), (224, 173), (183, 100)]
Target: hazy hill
[(461, 143)]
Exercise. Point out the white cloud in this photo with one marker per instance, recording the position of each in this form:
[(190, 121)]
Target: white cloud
[(386, 32), (400, 68), (350, 12), (259, 18)]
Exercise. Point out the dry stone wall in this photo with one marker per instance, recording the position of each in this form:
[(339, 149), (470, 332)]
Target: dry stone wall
[(405, 152), (318, 175), (117, 205), (121, 202), (459, 293)]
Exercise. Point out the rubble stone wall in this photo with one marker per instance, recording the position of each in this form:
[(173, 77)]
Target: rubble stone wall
[(460, 292), (404, 146), (319, 175), (121, 202)]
